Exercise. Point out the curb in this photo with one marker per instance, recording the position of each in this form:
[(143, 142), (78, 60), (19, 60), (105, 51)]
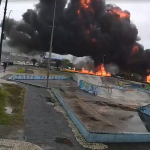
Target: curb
[(36, 85), (39, 86)]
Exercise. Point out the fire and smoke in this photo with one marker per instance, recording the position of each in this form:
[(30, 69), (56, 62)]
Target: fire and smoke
[(84, 28)]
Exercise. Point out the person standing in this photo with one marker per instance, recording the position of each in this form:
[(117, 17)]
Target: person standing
[(5, 66)]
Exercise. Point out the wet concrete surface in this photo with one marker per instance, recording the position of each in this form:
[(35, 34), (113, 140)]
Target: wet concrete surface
[(6, 76), (124, 119), (43, 124), (64, 141)]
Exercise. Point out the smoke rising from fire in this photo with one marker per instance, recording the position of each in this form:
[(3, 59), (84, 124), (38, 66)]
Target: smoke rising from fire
[(84, 28)]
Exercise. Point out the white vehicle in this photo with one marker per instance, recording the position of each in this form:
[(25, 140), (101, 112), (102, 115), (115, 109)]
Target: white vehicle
[(37, 64)]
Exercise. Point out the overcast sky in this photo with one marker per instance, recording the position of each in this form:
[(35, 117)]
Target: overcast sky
[(139, 9)]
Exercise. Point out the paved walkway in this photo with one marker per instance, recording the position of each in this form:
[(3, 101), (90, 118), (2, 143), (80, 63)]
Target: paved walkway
[(6, 144), (4, 81)]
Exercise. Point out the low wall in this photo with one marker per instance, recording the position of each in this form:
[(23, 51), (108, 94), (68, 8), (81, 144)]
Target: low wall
[(91, 88), (37, 77), (132, 97), (95, 89), (112, 82)]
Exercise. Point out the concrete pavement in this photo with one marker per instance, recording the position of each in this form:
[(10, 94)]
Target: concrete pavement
[(4, 81), (7, 144), (131, 146)]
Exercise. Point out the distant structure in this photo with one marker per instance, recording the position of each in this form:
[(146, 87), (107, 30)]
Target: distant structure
[(44, 61), (7, 56)]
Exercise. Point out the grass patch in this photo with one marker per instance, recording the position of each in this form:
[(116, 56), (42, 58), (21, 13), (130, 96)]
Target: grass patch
[(44, 72), (20, 70), (11, 95)]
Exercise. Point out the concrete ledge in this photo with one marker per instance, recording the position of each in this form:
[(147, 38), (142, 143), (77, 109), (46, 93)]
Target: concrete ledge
[(36, 85), (36, 77), (102, 137)]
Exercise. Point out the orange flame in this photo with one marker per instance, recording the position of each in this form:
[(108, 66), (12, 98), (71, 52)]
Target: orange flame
[(100, 71), (121, 13), (148, 79), (135, 49), (85, 3), (78, 11)]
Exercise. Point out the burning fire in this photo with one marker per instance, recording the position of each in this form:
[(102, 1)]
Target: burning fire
[(78, 11), (101, 71), (135, 50), (85, 3), (122, 14), (148, 79)]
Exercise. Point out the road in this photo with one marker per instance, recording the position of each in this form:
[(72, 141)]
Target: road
[(43, 124)]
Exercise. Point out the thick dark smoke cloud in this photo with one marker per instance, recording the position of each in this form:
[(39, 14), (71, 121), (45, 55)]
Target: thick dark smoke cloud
[(84, 28)]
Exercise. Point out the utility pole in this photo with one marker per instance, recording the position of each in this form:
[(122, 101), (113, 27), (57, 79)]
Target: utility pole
[(3, 26), (51, 42)]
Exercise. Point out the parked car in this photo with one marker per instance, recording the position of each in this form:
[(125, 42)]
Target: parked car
[(9, 63)]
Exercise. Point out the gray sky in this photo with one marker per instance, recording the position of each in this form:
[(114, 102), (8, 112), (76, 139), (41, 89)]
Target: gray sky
[(140, 13)]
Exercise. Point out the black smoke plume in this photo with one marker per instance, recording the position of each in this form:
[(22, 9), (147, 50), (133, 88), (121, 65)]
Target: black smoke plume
[(84, 28)]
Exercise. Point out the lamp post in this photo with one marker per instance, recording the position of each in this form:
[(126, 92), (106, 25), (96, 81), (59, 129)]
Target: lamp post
[(104, 59), (7, 23), (51, 42), (3, 26), (9, 13)]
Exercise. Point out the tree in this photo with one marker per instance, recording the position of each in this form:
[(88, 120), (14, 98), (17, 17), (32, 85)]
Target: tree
[(64, 63), (58, 63), (70, 65), (34, 61)]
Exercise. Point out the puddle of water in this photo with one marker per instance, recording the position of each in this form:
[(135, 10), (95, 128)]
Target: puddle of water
[(9, 110), (50, 101), (64, 141), (12, 104)]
